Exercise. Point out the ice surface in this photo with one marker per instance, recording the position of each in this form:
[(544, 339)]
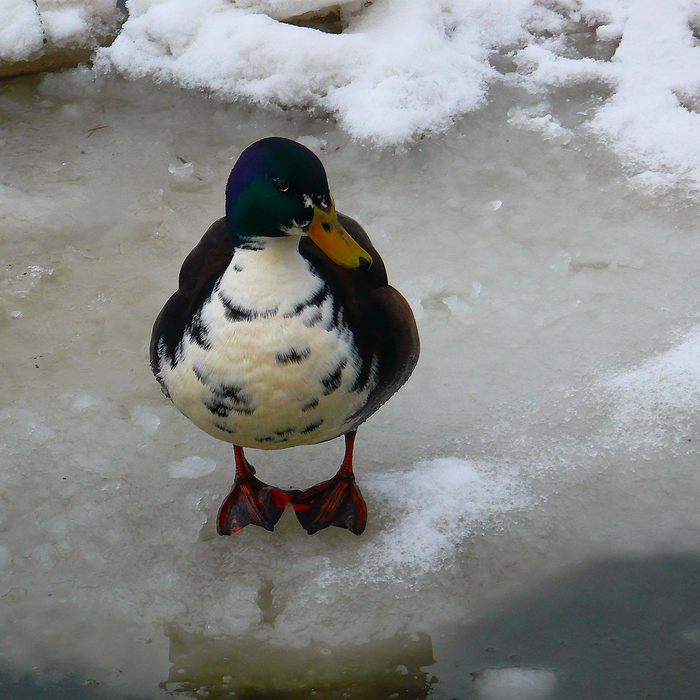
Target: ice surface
[(553, 416)]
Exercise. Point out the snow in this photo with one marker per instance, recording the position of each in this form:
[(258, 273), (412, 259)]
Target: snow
[(446, 497), (27, 27), (62, 26), (20, 29), (529, 172), (402, 69)]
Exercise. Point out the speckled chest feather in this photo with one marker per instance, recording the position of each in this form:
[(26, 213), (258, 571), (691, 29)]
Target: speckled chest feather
[(268, 361)]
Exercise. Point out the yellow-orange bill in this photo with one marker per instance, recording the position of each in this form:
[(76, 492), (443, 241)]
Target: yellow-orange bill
[(330, 236)]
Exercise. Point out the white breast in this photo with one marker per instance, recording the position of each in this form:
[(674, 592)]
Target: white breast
[(273, 364)]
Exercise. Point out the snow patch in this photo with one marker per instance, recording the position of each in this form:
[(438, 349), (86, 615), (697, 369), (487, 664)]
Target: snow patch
[(661, 396)]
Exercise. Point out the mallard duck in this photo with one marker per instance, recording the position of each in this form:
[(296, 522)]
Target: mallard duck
[(283, 332)]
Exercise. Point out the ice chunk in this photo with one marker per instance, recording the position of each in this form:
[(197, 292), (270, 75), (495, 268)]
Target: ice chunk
[(83, 401), (515, 683), (24, 280), (313, 143), (145, 419), (189, 177), (537, 119), (28, 26), (191, 467)]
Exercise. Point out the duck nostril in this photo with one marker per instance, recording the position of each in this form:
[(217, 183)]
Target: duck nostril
[(326, 227)]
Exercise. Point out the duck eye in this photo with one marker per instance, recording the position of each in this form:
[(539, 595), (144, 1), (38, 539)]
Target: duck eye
[(282, 185)]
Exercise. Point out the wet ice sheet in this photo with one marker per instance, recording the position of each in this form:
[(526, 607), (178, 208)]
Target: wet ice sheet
[(542, 283)]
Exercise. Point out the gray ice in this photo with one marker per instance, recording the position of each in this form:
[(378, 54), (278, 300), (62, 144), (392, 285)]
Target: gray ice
[(551, 421)]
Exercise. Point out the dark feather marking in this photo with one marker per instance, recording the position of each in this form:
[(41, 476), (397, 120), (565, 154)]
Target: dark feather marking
[(295, 355), (224, 428), (308, 406), (199, 373), (235, 313), (231, 392), (312, 426), (336, 318), (271, 438), (315, 299), (333, 380), (251, 245), (364, 376), (229, 398), (179, 352), (286, 431), (243, 410), (199, 332), (218, 408)]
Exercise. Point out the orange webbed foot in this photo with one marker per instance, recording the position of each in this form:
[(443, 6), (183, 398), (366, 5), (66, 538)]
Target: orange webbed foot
[(337, 501), (251, 502)]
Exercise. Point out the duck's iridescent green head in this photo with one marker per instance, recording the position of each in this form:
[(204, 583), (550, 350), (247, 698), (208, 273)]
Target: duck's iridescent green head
[(279, 188)]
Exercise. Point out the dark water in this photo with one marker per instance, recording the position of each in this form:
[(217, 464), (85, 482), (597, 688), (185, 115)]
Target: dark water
[(612, 629)]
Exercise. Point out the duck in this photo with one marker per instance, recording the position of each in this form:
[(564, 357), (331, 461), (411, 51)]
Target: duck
[(284, 331)]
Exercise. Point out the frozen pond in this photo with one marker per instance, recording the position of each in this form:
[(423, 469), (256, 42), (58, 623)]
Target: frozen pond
[(533, 522)]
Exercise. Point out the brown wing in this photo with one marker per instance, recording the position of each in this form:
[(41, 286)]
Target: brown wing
[(379, 317), (199, 273)]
